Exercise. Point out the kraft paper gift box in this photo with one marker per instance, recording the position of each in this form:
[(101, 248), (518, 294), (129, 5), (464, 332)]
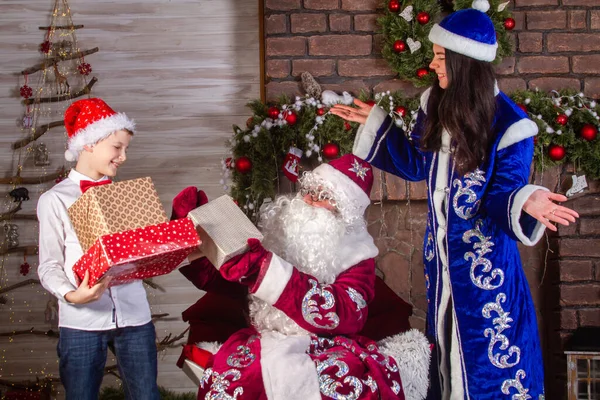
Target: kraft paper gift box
[(115, 207), (224, 229), (138, 253)]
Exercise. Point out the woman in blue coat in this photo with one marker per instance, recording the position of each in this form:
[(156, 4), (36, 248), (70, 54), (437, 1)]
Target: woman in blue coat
[(474, 148)]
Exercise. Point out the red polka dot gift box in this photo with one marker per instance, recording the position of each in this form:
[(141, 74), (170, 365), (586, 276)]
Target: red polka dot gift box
[(138, 253)]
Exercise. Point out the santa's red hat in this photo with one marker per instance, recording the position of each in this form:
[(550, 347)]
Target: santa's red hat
[(351, 175), (90, 120)]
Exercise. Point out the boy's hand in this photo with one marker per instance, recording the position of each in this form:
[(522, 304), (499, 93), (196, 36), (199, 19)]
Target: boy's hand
[(86, 294)]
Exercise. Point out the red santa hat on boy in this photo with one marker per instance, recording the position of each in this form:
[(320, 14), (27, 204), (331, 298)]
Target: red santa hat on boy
[(351, 176), (90, 120)]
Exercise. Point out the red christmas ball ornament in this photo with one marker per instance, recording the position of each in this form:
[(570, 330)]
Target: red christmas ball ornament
[(25, 268), (556, 152), (522, 107), (399, 46), (509, 24), (84, 68), (394, 6), (423, 17), (273, 112), (320, 111), (243, 165), (228, 162), (291, 117), (370, 102), (422, 73), (26, 91), (401, 111), (331, 151), (588, 132), (347, 126), (562, 119), (45, 47)]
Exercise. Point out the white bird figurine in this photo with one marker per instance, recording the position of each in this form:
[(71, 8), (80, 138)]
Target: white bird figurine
[(329, 98)]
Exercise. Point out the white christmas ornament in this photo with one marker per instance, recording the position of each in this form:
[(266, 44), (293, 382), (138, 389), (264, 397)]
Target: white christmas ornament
[(502, 6), (329, 98), (413, 45), (579, 183), (407, 13), (481, 5)]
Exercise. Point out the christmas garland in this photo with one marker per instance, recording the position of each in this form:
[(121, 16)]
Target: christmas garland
[(280, 136), (406, 27)]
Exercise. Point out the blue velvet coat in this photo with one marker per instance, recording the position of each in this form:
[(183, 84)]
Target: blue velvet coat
[(480, 312)]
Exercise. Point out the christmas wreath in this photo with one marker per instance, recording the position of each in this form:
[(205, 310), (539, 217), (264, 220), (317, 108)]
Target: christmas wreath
[(406, 25)]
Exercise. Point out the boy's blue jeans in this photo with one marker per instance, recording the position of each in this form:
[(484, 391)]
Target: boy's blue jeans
[(82, 358)]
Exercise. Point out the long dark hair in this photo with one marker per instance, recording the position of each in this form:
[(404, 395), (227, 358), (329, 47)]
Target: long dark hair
[(465, 108)]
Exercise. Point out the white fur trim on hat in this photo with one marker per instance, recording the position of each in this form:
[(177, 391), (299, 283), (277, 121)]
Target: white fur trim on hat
[(462, 45), (95, 132), (343, 183)]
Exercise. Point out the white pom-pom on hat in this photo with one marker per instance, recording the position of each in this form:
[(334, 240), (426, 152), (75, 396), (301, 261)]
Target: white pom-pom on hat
[(70, 155), (481, 5)]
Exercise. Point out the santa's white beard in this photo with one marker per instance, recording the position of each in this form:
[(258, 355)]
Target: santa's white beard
[(308, 237)]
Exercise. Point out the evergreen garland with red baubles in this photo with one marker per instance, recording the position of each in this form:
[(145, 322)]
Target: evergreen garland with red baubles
[(406, 25)]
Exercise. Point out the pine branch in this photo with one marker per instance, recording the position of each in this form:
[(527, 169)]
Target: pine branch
[(154, 285), (159, 316), (19, 180), (32, 331), (20, 249), (18, 285), (46, 28), (169, 342), (39, 132), (51, 61), (86, 90)]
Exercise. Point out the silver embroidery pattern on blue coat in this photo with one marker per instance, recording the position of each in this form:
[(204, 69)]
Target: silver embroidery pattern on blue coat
[(310, 309), (357, 299), (220, 384), (501, 322), (475, 178), (428, 248), (516, 383), (479, 262)]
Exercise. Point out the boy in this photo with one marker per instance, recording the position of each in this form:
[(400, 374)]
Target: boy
[(94, 318)]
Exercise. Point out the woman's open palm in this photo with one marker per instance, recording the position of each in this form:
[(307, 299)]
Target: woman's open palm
[(352, 114)]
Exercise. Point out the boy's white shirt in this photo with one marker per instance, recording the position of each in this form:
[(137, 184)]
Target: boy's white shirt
[(59, 250)]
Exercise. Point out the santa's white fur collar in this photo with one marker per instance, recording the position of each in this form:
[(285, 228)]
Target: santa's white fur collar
[(355, 247)]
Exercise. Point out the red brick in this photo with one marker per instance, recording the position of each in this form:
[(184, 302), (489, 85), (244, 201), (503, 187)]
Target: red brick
[(589, 317), (546, 20), (587, 64), (543, 65), (576, 270), (519, 17), (579, 247), (589, 3), (360, 5), (595, 19), (417, 190), (315, 67), (548, 84), (506, 67), (577, 19), (365, 22), (592, 87), (509, 85), (394, 85), (568, 319), (589, 227), (277, 68), (339, 22), (275, 23), (395, 187), (352, 86), (321, 4), (283, 5), (303, 23), (288, 46), (586, 206), (276, 89), (378, 41), (580, 294), (569, 230), (529, 3), (395, 268), (364, 67), (559, 42), (530, 42), (376, 191), (340, 45)]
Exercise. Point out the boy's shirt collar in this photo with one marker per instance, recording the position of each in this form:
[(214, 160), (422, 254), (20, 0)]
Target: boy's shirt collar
[(77, 177)]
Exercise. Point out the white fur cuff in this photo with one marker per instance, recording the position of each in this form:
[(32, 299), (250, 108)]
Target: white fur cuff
[(366, 134), (515, 215), (277, 277)]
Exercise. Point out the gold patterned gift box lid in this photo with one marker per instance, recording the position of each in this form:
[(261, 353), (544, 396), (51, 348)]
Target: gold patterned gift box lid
[(223, 228), (116, 207)]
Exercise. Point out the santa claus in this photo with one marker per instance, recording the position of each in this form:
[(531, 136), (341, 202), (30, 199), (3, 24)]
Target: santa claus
[(309, 283)]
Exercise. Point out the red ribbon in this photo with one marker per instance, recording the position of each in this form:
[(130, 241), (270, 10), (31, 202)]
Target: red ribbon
[(85, 185)]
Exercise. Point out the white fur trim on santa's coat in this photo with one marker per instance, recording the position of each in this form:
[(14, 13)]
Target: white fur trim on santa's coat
[(356, 247), (344, 184), (279, 272), (516, 210), (366, 134), (518, 131), (287, 371), (99, 130)]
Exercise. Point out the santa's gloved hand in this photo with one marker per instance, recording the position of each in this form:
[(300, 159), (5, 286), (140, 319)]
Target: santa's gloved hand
[(187, 200), (245, 268)]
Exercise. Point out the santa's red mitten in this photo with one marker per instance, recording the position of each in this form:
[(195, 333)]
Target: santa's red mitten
[(245, 268), (187, 200)]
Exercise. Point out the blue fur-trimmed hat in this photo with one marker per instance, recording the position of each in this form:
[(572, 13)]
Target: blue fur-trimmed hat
[(469, 32)]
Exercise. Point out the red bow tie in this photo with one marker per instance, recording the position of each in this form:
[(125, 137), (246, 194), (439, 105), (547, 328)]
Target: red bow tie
[(85, 185)]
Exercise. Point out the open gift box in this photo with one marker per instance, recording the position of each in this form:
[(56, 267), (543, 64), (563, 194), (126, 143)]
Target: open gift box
[(138, 253)]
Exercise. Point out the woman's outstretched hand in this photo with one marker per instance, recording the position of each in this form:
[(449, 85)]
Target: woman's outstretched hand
[(352, 114), (541, 206)]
